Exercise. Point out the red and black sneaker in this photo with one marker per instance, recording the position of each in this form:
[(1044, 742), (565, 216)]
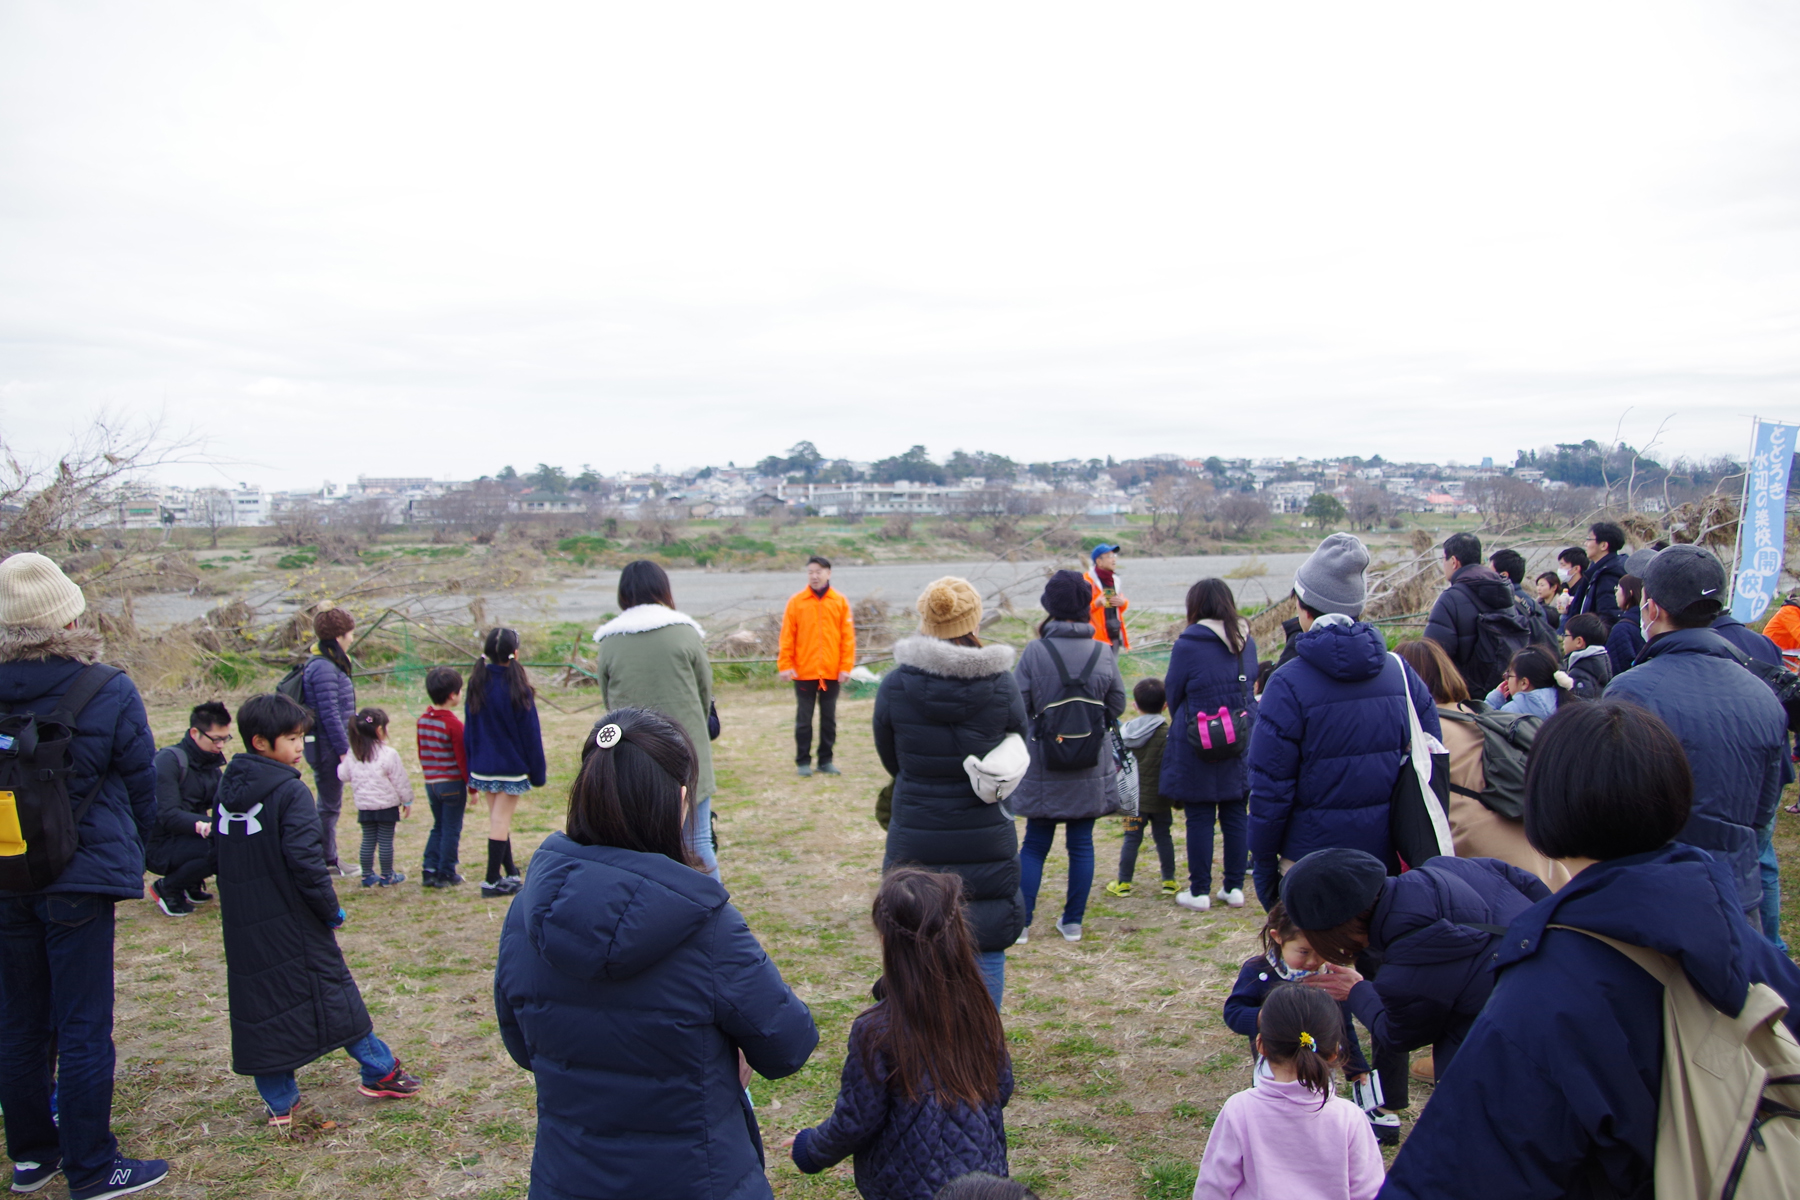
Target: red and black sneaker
[(175, 905), (395, 1085)]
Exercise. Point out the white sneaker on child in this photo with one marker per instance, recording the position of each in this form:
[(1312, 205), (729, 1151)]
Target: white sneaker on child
[(1071, 933), (1234, 898), (1188, 900)]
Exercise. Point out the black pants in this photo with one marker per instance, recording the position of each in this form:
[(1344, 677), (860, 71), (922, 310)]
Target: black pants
[(826, 693), (190, 862), (1134, 837)]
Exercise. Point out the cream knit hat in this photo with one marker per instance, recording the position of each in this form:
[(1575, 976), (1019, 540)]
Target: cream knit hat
[(949, 608), (35, 592)]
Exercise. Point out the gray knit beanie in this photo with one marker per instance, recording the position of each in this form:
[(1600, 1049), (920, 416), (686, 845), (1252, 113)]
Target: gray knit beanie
[(1331, 580)]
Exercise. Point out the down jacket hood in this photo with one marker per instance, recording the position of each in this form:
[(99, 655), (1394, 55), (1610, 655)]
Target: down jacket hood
[(1421, 916), (635, 909), (1491, 592), (250, 781), (934, 656), (643, 618), (30, 643), (1345, 652)]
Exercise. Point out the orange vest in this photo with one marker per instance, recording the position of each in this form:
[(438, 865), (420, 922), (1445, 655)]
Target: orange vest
[(1784, 630), (818, 635), (1097, 616)]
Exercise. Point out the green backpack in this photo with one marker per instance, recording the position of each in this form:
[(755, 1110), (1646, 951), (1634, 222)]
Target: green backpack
[(1505, 744)]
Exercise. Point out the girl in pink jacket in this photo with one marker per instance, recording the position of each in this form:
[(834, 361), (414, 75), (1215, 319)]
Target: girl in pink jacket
[(383, 793), (1291, 1136)]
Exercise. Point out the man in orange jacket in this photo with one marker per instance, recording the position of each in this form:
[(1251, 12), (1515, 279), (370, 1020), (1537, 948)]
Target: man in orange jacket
[(818, 648), (1784, 630), (1107, 613)]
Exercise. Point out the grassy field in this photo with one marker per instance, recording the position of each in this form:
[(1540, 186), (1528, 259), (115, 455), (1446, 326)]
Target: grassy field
[(1121, 1055)]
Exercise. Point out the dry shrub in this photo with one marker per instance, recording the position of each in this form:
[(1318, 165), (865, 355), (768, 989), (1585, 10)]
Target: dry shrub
[(1420, 541), (872, 629), (1710, 521)]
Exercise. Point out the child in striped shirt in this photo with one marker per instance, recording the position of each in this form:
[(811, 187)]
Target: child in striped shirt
[(446, 771)]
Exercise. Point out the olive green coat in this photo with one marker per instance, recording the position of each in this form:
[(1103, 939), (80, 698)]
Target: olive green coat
[(654, 657)]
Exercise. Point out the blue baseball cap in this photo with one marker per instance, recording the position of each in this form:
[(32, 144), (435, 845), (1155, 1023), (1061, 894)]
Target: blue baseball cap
[(1102, 548)]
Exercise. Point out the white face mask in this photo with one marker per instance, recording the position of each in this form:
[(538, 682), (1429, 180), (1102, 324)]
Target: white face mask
[(1562, 573)]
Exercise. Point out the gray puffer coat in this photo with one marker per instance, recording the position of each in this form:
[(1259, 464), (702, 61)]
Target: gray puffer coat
[(1067, 795)]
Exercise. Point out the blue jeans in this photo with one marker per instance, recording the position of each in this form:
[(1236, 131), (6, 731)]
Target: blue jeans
[(700, 836), (281, 1091), (1771, 881), (993, 972), (1234, 824), (1040, 834), (56, 1019), (449, 800)]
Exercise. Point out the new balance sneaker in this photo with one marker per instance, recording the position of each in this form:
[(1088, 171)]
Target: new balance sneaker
[(395, 1085), (1120, 888), (171, 905), (1187, 899), (1386, 1126), (198, 895), (125, 1176), (30, 1176), (829, 769), (503, 887), (1170, 887), (1071, 933), (392, 878), (1234, 898)]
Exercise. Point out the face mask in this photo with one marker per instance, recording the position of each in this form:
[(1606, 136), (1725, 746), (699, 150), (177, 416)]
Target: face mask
[(1562, 573)]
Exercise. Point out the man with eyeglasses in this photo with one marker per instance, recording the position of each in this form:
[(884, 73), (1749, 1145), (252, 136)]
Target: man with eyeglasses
[(187, 784), (1598, 590)]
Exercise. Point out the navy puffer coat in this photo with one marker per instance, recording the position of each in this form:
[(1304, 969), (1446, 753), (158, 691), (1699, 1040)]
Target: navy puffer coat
[(905, 1149), (1735, 735), (943, 703), (1626, 640), (1331, 734), (331, 695), (1556, 1087), (293, 999), (112, 745), (1455, 621), (1436, 967), (627, 983), (1203, 677)]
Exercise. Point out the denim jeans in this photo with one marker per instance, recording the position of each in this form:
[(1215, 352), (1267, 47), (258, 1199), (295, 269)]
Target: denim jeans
[(993, 972), (281, 1091), (449, 800), (1771, 881), (1040, 834), (56, 1018), (1234, 824), (700, 836)]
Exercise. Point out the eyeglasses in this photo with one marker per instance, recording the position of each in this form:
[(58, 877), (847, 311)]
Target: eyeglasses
[(218, 740)]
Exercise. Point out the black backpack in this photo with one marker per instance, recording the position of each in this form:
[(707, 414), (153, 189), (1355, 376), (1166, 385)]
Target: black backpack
[(1506, 740), (1537, 626), (1071, 730), (1499, 635), (39, 827), (1783, 682), (292, 684)]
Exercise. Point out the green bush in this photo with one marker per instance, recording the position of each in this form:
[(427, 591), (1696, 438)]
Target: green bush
[(299, 559), (235, 670)]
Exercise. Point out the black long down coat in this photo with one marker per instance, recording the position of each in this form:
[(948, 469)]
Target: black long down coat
[(292, 997), (943, 703)]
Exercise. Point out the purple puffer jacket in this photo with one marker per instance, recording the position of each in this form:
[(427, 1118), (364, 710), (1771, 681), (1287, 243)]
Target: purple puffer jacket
[(332, 697), (904, 1149)]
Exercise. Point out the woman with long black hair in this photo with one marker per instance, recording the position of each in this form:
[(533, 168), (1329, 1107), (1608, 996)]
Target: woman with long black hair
[(327, 689), (505, 748)]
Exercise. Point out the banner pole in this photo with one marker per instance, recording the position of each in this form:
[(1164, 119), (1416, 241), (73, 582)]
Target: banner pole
[(1737, 549)]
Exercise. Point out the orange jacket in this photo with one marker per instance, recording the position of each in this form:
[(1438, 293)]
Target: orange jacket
[(1097, 616), (818, 635), (1784, 630)]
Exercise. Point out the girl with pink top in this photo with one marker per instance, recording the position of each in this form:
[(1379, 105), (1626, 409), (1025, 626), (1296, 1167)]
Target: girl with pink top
[(1290, 1136), (383, 792)]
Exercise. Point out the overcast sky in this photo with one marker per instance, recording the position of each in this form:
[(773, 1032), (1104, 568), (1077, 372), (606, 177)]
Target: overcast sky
[(433, 239)]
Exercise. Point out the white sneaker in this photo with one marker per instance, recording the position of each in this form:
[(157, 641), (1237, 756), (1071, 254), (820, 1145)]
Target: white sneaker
[(1071, 933), (1024, 934), (1187, 899), (1234, 898)]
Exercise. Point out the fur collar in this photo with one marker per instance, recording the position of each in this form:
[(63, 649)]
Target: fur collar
[(643, 618), (934, 656), (24, 643)]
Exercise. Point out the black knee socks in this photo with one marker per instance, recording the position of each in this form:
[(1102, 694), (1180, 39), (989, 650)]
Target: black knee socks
[(510, 869), (496, 854)]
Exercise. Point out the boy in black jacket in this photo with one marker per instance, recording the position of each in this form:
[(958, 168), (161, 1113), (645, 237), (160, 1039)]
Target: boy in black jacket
[(1588, 664), (292, 998), (187, 786)]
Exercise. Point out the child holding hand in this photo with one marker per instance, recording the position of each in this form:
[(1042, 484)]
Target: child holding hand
[(1289, 1136), (384, 794)]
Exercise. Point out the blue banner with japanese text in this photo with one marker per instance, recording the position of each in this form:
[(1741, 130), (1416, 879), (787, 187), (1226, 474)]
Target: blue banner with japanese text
[(1763, 527)]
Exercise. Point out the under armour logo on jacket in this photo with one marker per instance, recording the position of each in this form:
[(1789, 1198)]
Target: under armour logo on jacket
[(251, 824)]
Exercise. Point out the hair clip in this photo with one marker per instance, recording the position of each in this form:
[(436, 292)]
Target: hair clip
[(1306, 1039), (608, 736)]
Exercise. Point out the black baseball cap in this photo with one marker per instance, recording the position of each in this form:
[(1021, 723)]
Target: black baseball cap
[(1686, 580)]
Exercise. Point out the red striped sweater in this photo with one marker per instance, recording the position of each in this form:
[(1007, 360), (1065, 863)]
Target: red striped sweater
[(441, 758)]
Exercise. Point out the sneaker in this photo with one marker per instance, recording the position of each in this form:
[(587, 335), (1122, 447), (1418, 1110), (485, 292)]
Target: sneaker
[(1188, 900), (197, 895), (30, 1176), (428, 879), (803, 770), (282, 1121), (371, 880), (1024, 936), (504, 887), (1386, 1126), (1121, 888), (1071, 933), (171, 906), (395, 1085), (450, 880), (1234, 898), (126, 1175), (829, 769), (1170, 887), (392, 878)]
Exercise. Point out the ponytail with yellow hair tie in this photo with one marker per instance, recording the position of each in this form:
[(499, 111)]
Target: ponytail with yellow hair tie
[(1306, 1040)]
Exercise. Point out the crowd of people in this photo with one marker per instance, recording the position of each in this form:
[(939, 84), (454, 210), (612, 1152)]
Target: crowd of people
[(1601, 821)]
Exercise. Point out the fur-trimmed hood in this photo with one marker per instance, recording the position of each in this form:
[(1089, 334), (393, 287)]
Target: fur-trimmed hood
[(33, 643), (950, 661), (642, 618)]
